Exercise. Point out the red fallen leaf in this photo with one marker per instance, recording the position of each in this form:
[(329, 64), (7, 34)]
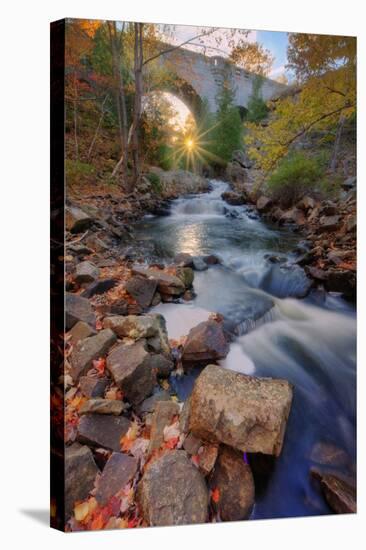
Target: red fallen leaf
[(195, 459), (98, 324), (134, 522), (100, 365), (97, 523), (215, 495)]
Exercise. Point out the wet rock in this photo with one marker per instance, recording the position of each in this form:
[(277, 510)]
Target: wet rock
[(89, 349), (102, 406), (86, 272), (101, 430), (339, 493), (186, 275), (76, 220), (234, 480), (207, 457), (316, 273), (164, 413), (285, 281), (330, 455), (132, 371), (199, 264), (211, 259), (167, 284), (149, 404), (245, 412), (232, 198), (329, 223), (191, 444), (118, 471), (264, 204), (173, 492), (341, 280), (91, 386), (80, 331), (80, 473), (142, 290), (78, 309), (162, 365), (99, 287), (183, 260), (206, 342)]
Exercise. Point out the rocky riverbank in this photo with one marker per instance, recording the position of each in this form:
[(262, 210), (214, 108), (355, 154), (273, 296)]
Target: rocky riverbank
[(135, 454), (328, 227)]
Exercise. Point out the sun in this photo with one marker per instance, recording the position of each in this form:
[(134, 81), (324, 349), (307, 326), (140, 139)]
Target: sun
[(189, 143)]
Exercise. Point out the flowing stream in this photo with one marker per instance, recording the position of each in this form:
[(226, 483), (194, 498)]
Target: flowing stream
[(276, 332)]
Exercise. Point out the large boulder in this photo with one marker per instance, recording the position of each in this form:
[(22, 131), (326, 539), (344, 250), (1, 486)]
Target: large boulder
[(99, 430), (162, 365), (80, 331), (173, 492), (167, 283), (76, 220), (89, 349), (92, 386), (244, 412), (80, 473), (142, 290), (78, 309), (136, 327), (131, 369), (234, 480), (119, 470), (232, 198), (86, 272), (206, 342)]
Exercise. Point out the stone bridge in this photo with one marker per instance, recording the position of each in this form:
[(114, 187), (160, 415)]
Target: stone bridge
[(200, 77)]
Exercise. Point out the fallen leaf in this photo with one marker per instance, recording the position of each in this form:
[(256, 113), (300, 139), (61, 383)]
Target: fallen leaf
[(81, 511), (132, 433), (100, 365), (215, 495)]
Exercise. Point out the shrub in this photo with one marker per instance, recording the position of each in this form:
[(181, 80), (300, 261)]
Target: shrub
[(295, 176), (78, 172), (155, 182)]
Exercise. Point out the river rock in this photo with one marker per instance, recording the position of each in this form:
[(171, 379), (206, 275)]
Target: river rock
[(149, 404), (341, 280), (92, 386), (191, 444), (232, 198), (80, 473), (199, 264), (89, 349), (99, 287), (76, 220), (186, 275), (167, 284), (234, 480), (80, 331), (207, 456), (206, 342), (173, 492), (130, 366), (163, 416), (100, 430), (118, 471), (102, 406), (339, 493), (183, 259), (86, 272), (137, 327), (245, 412), (264, 204), (142, 290), (78, 309), (162, 365), (328, 223)]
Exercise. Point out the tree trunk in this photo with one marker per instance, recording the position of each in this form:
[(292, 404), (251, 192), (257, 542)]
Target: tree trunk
[(138, 61), (337, 142), (120, 97)]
